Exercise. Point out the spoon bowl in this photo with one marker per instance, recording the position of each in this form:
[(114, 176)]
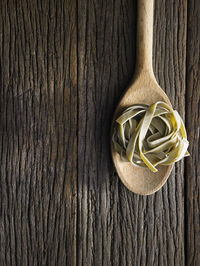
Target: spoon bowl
[(140, 180), (143, 90)]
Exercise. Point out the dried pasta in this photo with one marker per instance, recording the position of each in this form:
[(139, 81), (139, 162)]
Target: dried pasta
[(148, 136)]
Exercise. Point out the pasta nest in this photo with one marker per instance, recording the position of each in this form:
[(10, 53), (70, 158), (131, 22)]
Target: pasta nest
[(150, 135)]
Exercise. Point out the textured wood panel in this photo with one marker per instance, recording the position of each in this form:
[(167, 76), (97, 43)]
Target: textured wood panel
[(192, 219), (106, 32), (38, 123), (116, 227), (63, 66)]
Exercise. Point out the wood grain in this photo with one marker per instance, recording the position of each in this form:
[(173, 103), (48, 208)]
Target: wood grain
[(38, 104), (63, 66), (193, 128), (116, 227)]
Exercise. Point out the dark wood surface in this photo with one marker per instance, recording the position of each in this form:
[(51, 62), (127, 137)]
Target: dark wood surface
[(192, 167), (63, 67)]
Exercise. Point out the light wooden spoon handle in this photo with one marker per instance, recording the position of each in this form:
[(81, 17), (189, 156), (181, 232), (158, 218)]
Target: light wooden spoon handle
[(144, 36)]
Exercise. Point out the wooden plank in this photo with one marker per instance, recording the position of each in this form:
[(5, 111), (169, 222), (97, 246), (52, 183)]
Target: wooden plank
[(192, 176), (38, 123), (116, 227)]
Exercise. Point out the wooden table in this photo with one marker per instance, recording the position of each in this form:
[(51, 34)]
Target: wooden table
[(63, 67)]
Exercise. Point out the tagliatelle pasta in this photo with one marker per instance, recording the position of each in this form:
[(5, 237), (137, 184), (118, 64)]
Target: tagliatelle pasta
[(148, 136)]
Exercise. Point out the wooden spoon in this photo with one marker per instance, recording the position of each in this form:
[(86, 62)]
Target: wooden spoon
[(143, 90)]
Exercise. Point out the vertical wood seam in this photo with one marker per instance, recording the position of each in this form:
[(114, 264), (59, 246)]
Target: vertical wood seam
[(185, 165), (77, 129)]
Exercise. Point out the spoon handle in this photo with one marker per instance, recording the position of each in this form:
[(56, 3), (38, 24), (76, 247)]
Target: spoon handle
[(144, 36)]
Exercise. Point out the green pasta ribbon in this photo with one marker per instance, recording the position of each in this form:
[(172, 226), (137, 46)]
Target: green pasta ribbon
[(150, 135)]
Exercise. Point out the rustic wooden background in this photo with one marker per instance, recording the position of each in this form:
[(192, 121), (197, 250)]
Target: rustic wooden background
[(63, 66)]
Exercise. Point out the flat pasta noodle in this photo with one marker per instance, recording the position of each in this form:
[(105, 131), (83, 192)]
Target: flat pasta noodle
[(150, 135)]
